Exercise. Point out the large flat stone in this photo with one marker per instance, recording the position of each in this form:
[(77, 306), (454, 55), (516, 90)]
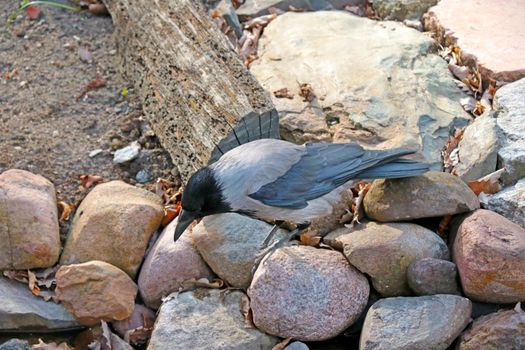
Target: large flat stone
[(488, 33), (509, 103), (206, 319), (21, 311), (377, 82), (510, 203), (428, 322)]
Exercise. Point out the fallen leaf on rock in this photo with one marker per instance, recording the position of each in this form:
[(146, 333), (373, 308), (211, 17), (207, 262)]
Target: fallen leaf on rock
[(460, 72), (202, 282), (306, 92), (170, 213), (64, 211), (260, 21), (449, 153), (17, 275), (246, 312), (283, 93), (51, 346), (33, 12), (310, 238), (479, 109), (33, 287), (356, 10), (370, 12), (488, 184), (468, 103), (443, 225), (86, 181), (138, 336), (84, 54), (282, 345), (96, 83)]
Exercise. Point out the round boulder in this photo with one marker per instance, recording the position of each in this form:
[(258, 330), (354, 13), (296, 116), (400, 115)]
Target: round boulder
[(429, 195), (489, 251), (384, 251), (113, 214), (500, 330), (170, 266), (430, 276), (427, 322), (29, 236), (95, 291), (306, 293)]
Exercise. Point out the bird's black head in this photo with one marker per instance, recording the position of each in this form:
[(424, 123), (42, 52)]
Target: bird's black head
[(201, 197)]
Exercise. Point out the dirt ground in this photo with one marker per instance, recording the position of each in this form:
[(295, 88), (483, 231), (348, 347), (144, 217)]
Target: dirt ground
[(44, 65)]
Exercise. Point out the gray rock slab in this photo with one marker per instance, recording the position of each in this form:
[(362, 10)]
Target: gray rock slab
[(415, 323), (429, 195), (384, 252), (478, 149), (500, 330), (377, 83), (509, 103), (206, 319), (15, 344), (21, 311), (229, 243), (510, 203), (430, 276)]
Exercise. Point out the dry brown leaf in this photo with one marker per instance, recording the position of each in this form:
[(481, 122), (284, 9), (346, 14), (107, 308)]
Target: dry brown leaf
[(488, 184), (11, 74), (450, 151), (283, 93), (282, 345), (32, 282), (310, 238), (443, 225), (261, 21), (460, 72), (138, 336), (64, 211), (17, 275), (51, 346), (478, 109), (370, 12), (96, 83), (306, 92), (202, 282), (356, 10), (86, 181), (170, 213), (468, 103), (246, 312)]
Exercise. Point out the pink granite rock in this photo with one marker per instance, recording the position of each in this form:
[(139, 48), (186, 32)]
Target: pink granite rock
[(307, 293), (489, 251), (500, 330), (489, 33), (95, 291), (170, 266), (29, 236)]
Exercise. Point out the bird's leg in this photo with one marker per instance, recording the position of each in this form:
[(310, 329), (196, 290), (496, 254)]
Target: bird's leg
[(267, 250)]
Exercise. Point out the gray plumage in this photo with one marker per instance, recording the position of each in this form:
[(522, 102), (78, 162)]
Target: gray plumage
[(277, 180)]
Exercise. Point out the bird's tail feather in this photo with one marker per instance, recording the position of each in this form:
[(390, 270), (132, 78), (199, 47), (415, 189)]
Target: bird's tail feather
[(395, 169)]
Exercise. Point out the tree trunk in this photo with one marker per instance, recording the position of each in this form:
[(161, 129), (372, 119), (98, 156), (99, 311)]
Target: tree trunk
[(196, 92)]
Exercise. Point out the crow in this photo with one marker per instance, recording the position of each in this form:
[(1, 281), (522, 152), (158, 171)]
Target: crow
[(275, 180)]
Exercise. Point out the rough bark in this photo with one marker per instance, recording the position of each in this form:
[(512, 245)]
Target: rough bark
[(198, 95)]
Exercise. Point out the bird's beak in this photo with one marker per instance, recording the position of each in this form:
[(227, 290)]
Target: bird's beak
[(184, 220)]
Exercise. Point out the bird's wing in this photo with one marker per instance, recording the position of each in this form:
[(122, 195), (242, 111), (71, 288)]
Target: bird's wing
[(322, 168)]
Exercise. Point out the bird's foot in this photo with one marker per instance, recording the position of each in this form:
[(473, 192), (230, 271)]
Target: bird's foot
[(269, 249)]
